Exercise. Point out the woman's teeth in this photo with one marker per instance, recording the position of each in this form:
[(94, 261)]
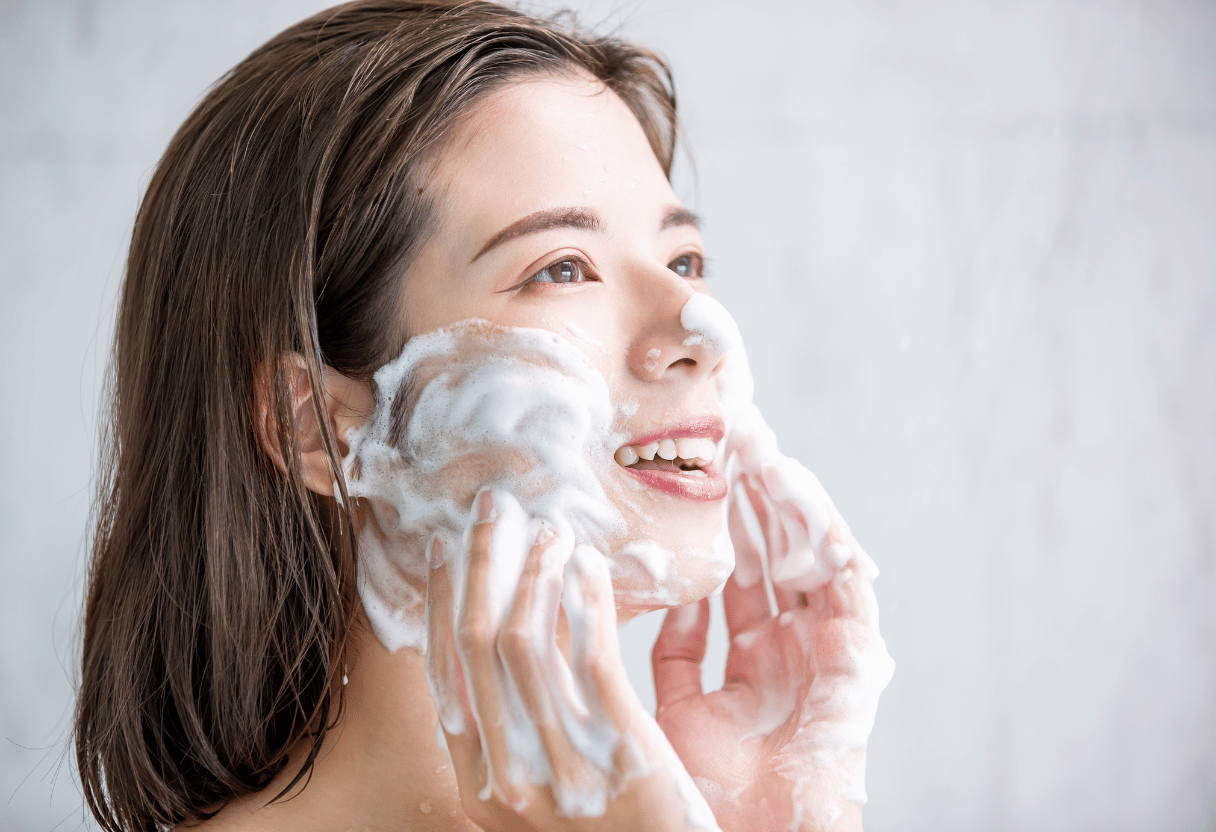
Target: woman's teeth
[(690, 452)]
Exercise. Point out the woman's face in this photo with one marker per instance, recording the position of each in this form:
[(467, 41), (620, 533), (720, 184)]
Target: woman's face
[(554, 213)]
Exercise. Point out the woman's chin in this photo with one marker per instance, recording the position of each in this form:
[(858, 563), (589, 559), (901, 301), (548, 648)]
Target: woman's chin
[(646, 576)]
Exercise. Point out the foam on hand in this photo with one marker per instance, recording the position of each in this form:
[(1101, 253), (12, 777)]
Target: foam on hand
[(779, 500), (521, 411), (524, 412)]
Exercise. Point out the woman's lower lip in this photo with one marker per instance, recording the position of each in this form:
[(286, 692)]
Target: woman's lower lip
[(709, 487)]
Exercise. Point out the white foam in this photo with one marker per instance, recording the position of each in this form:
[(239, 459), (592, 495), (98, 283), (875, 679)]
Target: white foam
[(524, 412), (467, 407), (707, 322), (824, 760)]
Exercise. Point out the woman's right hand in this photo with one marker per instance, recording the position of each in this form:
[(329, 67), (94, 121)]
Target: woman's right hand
[(538, 741)]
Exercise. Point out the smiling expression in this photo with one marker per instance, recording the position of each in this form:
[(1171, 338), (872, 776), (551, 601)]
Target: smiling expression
[(554, 213)]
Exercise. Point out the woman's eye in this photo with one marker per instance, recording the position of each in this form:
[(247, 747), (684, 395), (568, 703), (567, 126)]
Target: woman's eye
[(688, 265), (563, 271)]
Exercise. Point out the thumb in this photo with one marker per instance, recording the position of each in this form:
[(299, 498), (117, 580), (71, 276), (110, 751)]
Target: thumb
[(678, 652)]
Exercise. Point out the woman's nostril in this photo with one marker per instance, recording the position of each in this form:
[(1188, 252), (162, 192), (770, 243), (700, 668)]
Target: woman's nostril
[(686, 361)]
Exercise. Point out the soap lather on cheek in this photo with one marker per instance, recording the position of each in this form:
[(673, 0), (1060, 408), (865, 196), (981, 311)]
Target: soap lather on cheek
[(468, 407), (523, 411)]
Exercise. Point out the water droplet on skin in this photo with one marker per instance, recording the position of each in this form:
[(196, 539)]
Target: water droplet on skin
[(425, 807), (439, 769)]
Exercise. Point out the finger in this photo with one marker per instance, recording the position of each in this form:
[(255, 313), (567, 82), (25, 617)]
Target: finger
[(776, 538), (443, 674), (777, 544), (746, 595), (476, 645), (847, 592), (745, 607), (595, 652), (678, 653), (853, 596), (529, 653), (746, 536), (468, 764), (527, 637)]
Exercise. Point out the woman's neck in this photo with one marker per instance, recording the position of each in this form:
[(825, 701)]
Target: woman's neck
[(380, 767)]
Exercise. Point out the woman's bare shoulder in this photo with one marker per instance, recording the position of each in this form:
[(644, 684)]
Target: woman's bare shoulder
[(259, 813)]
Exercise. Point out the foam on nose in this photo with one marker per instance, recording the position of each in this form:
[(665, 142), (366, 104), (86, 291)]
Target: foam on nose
[(707, 322)]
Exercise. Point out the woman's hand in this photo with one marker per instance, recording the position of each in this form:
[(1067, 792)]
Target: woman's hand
[(538, 741), (782, 744)]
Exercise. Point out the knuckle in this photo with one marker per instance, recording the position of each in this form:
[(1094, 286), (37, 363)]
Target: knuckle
[(550, 581), (515, 645), (475, 633), (599, 668), (515, 798), (476, 809)]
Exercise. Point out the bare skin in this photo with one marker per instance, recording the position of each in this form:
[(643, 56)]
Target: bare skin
[(381, 767)]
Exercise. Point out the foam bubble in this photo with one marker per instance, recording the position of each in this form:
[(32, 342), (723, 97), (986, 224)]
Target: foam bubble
[(524, 412)]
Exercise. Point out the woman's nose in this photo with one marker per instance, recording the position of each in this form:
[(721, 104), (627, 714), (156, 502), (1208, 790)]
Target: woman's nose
[(661, 347)]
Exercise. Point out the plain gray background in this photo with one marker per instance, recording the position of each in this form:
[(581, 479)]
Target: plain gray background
[(972, 246)]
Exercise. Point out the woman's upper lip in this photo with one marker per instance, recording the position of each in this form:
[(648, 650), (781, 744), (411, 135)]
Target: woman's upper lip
[(709, 426)]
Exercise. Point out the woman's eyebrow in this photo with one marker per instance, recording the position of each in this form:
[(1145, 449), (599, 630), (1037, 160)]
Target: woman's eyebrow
[(546, 220), (679, 216)]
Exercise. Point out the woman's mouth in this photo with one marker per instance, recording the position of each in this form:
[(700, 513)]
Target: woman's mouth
[(678, 462), (688, 453)]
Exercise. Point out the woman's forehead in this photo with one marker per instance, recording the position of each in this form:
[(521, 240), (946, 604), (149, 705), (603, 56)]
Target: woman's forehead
[(544, 143)]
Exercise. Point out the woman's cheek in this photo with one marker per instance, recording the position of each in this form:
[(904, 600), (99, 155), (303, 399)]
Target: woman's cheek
[(670, 558)]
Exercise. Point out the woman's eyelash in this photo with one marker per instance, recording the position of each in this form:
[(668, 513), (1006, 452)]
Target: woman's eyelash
[(564, 271), (570, 270)]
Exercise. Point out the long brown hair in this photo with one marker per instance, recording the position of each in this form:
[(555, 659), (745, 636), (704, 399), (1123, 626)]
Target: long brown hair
[(280, 220)]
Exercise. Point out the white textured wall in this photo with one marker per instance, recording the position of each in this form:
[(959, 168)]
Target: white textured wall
[(972, 245)]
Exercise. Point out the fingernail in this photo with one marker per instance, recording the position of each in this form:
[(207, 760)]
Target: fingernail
[(485, 506), (434, 552), (544, 534)]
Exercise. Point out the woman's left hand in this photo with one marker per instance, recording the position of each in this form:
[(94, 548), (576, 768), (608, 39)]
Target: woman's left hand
[(782, 744)]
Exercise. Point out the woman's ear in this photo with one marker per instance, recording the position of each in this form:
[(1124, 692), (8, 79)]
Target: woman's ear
[(348, 403)]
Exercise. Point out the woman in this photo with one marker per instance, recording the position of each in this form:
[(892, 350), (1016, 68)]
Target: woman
[(372, 174)]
